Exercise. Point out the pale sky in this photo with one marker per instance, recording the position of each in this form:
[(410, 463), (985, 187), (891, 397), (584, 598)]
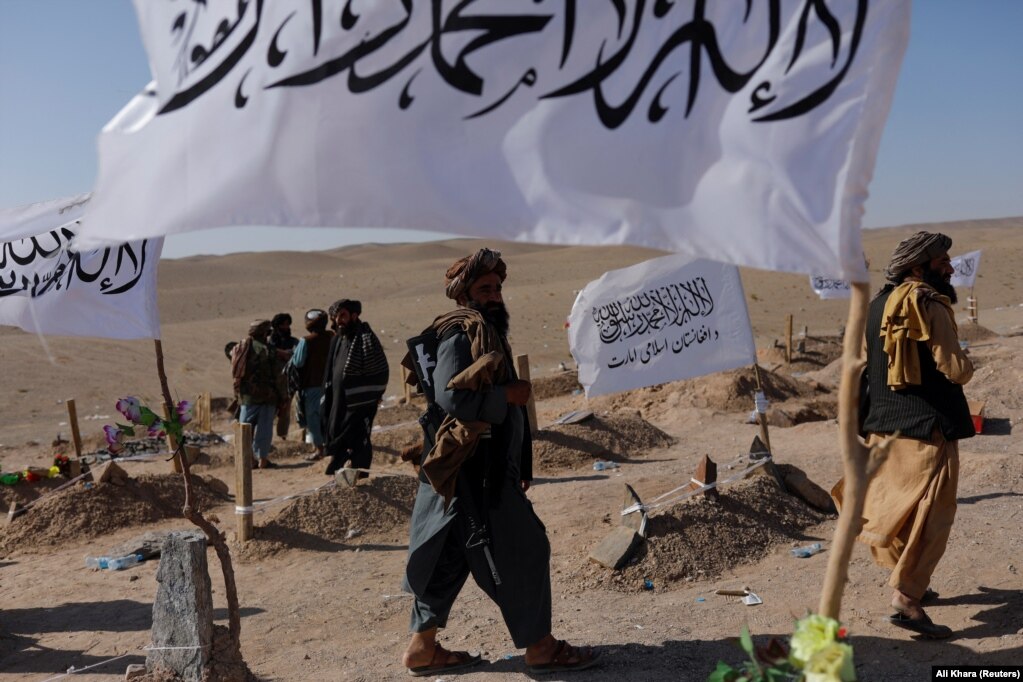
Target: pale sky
[(952, 149)]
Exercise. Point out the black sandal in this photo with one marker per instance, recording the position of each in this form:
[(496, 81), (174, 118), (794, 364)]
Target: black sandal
[(922, 625)]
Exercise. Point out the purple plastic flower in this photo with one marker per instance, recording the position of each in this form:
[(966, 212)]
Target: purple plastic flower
[(115, 439), (184, 409), (157, 430), (131, 408)]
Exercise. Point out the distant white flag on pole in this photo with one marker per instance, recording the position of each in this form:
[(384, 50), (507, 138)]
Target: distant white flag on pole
[(828, 287), (662, 320), (48, 288), (966, 267), (741, 132)]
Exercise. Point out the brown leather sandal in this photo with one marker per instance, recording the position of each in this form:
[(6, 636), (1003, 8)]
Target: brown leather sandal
[(445, 661), (566, 658)]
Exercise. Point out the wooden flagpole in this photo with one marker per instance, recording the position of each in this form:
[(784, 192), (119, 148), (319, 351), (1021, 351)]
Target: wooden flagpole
[(855, 456)]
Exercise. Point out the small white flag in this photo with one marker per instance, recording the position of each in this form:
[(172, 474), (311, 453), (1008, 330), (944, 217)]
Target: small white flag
[(966, 267), (662, 320)]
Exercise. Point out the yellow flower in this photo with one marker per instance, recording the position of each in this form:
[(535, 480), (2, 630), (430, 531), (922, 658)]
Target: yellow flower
[(833, 663), (812, 634)]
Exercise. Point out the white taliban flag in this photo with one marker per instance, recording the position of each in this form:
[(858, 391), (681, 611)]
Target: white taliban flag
[(46, 287), (662, 320), (966, 267), (741, 132), (828, 288)]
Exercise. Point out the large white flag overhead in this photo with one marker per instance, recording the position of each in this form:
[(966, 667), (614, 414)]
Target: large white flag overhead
[(745, 132), (662, 320), (48, 288)]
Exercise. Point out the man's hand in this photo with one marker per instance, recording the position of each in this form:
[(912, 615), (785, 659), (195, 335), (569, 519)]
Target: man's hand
[(524, 484), (518, 391)]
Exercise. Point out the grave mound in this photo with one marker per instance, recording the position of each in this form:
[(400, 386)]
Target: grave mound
[(80, 512), (699, 538), (609, 437), (375, 511)]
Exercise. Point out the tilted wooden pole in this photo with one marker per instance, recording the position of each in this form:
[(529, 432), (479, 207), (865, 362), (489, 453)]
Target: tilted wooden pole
[(855, 456), (788, 339)]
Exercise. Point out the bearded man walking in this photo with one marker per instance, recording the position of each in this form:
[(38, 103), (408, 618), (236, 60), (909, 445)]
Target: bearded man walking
[(471, 513), (915, 376)]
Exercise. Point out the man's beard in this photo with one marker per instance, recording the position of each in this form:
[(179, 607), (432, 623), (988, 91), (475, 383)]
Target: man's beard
[(937, 280), (494, 313)]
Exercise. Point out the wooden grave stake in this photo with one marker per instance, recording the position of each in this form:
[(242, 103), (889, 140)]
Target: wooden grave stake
[(243, 479), (762, 417), (405, 385), (788, 339), (522, 369), (706, 473), (76, 435)]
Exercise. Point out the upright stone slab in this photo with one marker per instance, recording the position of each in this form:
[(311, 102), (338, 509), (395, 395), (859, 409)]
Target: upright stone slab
[(183, 611)]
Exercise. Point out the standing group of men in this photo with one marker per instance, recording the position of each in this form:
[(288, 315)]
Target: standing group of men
[(338, 377)]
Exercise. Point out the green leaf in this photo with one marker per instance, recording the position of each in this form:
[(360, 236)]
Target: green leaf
[(723, 673), (147, 417), (746, 640), (128, 431)]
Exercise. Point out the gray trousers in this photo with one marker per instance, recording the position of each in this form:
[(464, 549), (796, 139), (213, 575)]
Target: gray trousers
[(521, 553)]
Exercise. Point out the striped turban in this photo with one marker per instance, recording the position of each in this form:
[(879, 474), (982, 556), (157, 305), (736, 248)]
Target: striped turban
[(919, 249), (465, 271)]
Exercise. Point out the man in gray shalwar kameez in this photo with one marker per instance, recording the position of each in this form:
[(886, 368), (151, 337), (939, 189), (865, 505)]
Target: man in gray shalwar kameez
[(490, 496)]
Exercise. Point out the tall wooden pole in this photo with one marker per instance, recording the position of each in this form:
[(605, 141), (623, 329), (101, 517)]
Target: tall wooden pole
[(788, 339), (855, 456), (76, 435), (522, 369), (243, 479)]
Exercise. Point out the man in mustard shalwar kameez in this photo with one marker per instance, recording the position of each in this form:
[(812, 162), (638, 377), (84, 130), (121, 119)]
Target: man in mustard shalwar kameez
[(915, 373)]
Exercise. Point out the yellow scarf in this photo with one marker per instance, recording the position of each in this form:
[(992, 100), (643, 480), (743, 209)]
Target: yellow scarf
[(904, 323)]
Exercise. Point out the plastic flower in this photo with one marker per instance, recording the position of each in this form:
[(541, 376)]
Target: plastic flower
[(184, 410), (131, 408), (157, 430), (812, 634), (115, 438), (833, 663)]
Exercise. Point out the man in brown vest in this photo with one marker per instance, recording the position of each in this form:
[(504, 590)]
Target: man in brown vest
[(310, 358), (915, 376)]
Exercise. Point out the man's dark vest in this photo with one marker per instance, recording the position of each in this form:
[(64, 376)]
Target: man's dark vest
[(913, 411), (317, 351)]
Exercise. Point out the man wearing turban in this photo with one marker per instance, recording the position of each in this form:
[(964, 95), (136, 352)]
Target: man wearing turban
[(914, 377), (483, 442), (256, 371)]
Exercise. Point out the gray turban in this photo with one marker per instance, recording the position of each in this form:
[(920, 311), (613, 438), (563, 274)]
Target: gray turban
[(465, 271), (919, 249)]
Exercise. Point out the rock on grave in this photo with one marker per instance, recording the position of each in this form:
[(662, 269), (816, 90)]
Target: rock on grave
[(183, 610)]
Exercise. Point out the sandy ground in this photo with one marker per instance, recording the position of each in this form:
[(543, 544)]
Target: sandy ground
[(329, 609)]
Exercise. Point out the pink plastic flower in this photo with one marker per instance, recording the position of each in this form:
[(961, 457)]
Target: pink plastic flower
[(157, 431), (115, 439), (184, 409), (131, 408)]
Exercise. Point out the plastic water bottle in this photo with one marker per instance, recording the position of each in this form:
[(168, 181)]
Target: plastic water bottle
[(123, 562), (807, 551), (97, 562), (600, 465)]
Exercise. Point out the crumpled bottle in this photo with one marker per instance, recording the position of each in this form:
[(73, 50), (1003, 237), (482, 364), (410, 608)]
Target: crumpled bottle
[(97, 562)]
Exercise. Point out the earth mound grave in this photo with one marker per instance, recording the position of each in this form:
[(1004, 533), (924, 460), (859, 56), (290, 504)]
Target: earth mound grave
[(701, 537), (614, 437), (375, 511), (81, 512)]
